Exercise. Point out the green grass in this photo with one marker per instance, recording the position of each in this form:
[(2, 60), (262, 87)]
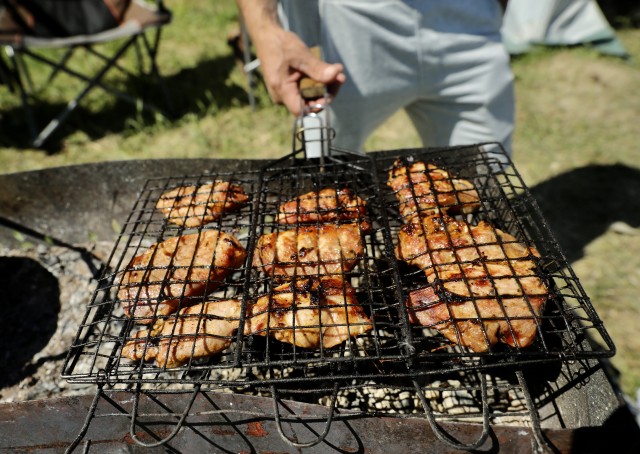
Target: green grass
[(576, 110)]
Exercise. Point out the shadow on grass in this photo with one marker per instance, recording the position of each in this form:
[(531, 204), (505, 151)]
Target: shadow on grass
[(581, 204), (191, 91), (621, 13)]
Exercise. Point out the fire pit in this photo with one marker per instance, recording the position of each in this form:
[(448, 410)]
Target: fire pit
[(402, 381)]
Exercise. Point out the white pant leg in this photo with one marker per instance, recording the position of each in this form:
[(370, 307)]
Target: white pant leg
[(472, 101), (443, 60), (375, 41)]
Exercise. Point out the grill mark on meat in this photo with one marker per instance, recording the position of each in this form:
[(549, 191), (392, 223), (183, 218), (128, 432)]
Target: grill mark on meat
[(309, 313), (424, 189), (303, 252), (193, 206), (177, 271), (475, 272), (309, 251), (326, 205)]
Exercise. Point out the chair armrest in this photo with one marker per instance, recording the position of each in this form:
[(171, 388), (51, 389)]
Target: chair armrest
[(161, 7), (148, 14)]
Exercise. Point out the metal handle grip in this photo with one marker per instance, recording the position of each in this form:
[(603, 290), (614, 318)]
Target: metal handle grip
[(312, 89)]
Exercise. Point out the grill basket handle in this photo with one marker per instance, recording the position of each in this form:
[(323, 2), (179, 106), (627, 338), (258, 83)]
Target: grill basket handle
[(176, 429), (327, 427), (312, 89), (447, 438), (312, 127)]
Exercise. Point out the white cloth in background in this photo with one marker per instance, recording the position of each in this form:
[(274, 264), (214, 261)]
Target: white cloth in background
[(557, 22), (442, 61)]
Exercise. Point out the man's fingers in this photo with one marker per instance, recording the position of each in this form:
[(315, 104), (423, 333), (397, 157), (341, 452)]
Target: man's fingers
[(333, 73), (318, 70), (291, 61), (292, 101)]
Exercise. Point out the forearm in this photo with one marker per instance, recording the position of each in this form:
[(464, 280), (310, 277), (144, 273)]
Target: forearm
[(267, 35), (261, 19)]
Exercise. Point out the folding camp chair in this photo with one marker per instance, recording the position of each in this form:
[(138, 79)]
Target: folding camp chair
[(138, 19)]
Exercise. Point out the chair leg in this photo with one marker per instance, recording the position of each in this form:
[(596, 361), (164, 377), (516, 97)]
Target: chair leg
[(54, 124), (61, 64), (151, 49), (106, 59), (152, 52), (17, 84), (136, 46), (22, 68), (246, 51)]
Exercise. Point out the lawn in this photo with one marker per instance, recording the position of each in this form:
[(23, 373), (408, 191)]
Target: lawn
[(576, 143)]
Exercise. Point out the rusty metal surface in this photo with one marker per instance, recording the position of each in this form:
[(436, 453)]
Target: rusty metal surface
[(66, 204), (231, 423), (72, 203)]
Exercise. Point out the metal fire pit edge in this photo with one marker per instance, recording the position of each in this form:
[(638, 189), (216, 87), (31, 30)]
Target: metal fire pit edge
[(75, 204)]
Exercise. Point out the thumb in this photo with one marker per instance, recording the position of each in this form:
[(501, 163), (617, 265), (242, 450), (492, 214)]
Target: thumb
[(321, 71), (332, 73)]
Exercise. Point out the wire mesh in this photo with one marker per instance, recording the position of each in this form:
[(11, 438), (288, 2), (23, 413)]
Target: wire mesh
[(211, 336)]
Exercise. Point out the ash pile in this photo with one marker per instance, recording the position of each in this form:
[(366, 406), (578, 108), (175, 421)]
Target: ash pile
[(46, 291), (49, 287)]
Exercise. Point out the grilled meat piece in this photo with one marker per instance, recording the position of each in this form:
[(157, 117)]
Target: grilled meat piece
[(192, 206), (309, 313), (309, 251), (326, 205), (468, 260), (478, 324), (198, 331), (423, 189), (484, 286), (180, 267), (141, 346)]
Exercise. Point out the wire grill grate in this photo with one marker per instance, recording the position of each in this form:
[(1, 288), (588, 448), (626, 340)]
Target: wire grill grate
[(393, 348)]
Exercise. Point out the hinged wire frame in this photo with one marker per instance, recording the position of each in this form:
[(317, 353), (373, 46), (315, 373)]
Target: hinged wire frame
[(393, 348)]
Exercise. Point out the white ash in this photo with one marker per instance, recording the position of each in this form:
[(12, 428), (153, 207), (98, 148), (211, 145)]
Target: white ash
[(457, 400), (75, 271)]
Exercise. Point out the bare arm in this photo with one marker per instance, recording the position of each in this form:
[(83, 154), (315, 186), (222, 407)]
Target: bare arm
[(284, 58)]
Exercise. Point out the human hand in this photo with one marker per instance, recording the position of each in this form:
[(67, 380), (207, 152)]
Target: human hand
[(285, 60)]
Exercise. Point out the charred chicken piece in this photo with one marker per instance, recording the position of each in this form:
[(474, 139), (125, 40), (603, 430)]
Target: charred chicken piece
[(423, 189), (484, 286), (470, 260), (178, 268), (309, 251), (198, 331), (309, 313), (481, 323), (326, 205), (193, 206)]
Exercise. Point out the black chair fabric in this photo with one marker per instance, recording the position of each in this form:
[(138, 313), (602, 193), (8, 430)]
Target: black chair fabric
[(25, 33), (56, 18)]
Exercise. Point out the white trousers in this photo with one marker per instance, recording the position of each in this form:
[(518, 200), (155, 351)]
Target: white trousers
[(442, 61)]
